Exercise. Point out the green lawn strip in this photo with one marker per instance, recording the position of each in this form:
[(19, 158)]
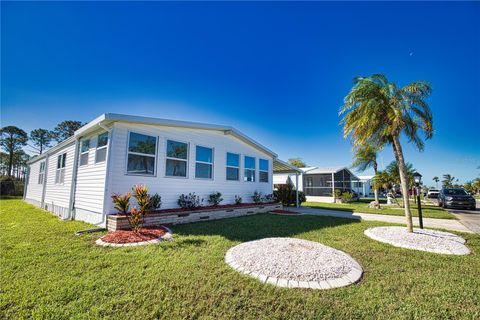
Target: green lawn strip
[(429, 211), (48, 272)]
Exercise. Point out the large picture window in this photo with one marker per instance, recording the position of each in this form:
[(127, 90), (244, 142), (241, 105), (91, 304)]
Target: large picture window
[(249, 174), (41, 173), (142, 151), (102, 142), (233, 166), (203, 162), (177, 159), (60, 172), (84, 148), (263, 170)]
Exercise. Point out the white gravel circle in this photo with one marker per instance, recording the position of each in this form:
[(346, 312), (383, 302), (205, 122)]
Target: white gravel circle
[(420, 239), (294, 263)]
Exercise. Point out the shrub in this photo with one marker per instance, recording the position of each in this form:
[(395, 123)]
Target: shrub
[(189, 201), (140, 193), (7, 186), (215, 198), (122, 202), (286, 194), (347, 196), (155, 202), (257, 197), (268, 198), (238, 199)]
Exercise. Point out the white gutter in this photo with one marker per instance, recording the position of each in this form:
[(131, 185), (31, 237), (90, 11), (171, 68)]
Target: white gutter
[(106, 189), (73, 186), (45, 175)]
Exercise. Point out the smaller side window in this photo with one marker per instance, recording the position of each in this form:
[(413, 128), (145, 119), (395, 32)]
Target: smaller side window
[(263, 170), (101, 153), (203, 163), (84, 149), (41, 173), (60, 172)]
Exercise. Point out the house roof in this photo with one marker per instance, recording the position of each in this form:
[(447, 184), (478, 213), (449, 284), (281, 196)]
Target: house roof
[(107, 119)]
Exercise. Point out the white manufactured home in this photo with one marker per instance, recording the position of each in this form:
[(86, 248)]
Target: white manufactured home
[(76, 178)]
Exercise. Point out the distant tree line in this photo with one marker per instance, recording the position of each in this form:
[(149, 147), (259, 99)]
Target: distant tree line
[(13, 140)]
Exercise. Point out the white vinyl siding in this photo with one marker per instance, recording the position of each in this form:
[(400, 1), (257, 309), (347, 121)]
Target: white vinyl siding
[(169, 188), (34, 189), (90, 186)]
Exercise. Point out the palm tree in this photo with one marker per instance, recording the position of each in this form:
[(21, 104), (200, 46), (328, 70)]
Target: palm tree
[(377, 112), (394, 172), (364, 158), (447, 181), (436, 181)]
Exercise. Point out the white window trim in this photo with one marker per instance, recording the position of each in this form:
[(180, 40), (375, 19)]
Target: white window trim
[(260, 170), (58, 170), (141, 154), (41, 173), (102, 147), (240, 177), (255, 179), (203, 162), (187, 160), (85, 152)]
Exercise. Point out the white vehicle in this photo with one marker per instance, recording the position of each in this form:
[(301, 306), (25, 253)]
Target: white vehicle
[(432, 194)]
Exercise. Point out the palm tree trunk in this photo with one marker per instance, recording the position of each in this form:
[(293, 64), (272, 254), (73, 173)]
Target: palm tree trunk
[(397, 150)]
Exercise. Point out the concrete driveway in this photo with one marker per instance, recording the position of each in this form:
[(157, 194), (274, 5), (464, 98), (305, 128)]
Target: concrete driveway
[(469, 218)]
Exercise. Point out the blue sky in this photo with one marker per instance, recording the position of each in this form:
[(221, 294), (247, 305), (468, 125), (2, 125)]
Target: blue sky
[(276, 71)]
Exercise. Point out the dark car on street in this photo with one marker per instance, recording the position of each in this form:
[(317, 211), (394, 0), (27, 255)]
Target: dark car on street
[(456, 198)]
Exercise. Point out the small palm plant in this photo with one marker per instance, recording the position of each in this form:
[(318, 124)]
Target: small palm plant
[(364, 158)]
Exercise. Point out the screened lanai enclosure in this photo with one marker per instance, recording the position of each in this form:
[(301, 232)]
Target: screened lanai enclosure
[(322, 182)]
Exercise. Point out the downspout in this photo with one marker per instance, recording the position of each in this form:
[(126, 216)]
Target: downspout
[(45, 175), (107, 169), (27, 178), (73, 187)]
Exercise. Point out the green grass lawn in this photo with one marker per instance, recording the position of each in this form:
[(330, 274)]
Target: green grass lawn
[(428, 211), (49, 273)]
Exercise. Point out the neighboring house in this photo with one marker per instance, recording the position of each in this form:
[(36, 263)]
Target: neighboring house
[(76, 178), (319, 183), (363, 186)]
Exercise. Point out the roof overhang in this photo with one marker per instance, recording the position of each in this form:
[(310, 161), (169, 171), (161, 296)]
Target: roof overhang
[(280, 166)]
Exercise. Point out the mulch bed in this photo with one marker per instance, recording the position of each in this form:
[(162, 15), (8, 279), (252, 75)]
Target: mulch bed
[(221, 206), (128, 236), (284, 212)]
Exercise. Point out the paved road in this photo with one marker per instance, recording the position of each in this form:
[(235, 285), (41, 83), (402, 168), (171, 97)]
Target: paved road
[(469, 218), (448, 224)]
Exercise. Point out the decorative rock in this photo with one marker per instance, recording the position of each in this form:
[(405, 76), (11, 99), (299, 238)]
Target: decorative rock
[(294, 263), (420, 239)]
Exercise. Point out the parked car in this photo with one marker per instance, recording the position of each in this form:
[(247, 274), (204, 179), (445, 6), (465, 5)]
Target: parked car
[(432, 194), (456, 197)]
